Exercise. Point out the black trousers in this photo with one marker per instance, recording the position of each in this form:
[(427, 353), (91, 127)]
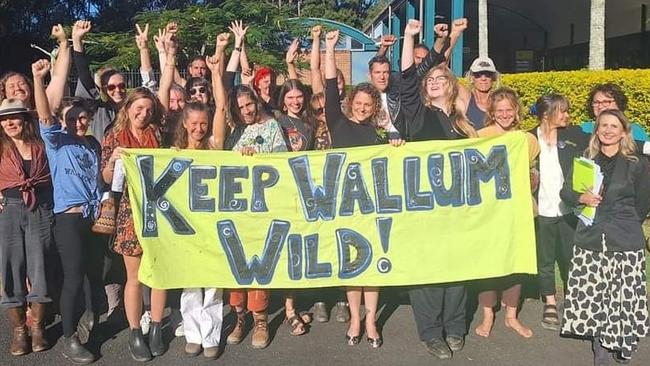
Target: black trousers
[(439, 310), (554, 243), (79, 250)]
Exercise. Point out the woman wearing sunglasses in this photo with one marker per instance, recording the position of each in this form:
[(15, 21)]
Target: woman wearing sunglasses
[(482, 78), (108, 93)]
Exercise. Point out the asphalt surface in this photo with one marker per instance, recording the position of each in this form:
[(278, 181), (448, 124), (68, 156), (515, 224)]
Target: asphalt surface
[(325, 345)]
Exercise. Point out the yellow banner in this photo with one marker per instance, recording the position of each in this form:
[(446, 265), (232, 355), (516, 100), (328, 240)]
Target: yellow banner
[(427, 212)]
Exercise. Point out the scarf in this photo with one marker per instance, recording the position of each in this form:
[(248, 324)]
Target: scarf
[(12, 174), (149, 140)]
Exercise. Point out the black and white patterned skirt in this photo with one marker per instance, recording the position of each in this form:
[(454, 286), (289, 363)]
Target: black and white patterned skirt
[(607, 298)]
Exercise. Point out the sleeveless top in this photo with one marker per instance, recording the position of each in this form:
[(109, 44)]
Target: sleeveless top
[(475, 114)]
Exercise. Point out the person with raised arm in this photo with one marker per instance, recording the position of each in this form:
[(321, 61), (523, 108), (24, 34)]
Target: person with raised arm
[(76, 205), (354, 127), (109, 94), (431, 112), (19, 86)]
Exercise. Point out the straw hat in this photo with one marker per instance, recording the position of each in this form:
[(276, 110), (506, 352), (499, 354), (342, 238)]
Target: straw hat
[(12, 106)]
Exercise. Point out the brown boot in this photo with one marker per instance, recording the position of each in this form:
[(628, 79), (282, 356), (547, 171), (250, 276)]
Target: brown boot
[(260, 337), (237, 334), (20, 340), (39, 342)]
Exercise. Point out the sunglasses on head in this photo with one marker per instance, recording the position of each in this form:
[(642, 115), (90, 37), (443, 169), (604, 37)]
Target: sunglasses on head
[(111, 87), (198, 89)]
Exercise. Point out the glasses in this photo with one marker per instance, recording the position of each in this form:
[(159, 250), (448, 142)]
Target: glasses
[(438, 79), (318, 110), (198, 89), (111, 87), (487, 74), (602, 103)]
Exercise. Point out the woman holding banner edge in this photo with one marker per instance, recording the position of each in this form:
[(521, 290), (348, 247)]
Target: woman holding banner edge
[(136, 126)]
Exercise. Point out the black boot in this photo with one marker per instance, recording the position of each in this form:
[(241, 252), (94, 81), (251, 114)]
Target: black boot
[(601, 354), (156, 340), (75, 351), (138, 347)]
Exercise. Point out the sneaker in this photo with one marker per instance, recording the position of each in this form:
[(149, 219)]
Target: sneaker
[(455, 343), (342, 312), (145, 321), (439, 348), (180, 331), (320, 312)]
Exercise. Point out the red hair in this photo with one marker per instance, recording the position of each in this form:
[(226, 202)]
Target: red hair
[(260, 74)]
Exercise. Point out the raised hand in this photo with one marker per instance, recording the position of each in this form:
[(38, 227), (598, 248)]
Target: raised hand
[(141, 37), (247, 76), (388, 40), (292, 52), (331, 38), (237, 28), (459, 25), (58, 33), (222, 39), (159, 40), (413, 27), (171, 27), (80, 28), (40, 68), (171, 45), (316, 31), (441, 30), (213, 63)]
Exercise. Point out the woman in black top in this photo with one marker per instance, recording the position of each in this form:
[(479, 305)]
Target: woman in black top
[(434, 114), (354, 128), (606, 296)]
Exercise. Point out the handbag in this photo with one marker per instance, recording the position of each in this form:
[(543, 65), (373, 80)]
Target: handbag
[(105, 223)]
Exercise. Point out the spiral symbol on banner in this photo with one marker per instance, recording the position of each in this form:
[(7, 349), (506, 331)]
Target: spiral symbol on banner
[(384, 265), (177, 167), (226, 231), (310, 202), (436, 172), (151, 225), (233, 204), (163, 205), (352, 174)]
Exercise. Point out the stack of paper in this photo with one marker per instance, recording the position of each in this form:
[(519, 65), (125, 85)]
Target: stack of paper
[(586, 177)]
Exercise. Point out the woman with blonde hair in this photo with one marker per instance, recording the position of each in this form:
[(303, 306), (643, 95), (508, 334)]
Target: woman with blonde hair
[(606, 297), (503, 115), (433, 111), (136, 126)]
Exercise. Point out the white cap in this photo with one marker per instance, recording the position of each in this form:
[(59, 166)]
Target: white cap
[(482, 64)]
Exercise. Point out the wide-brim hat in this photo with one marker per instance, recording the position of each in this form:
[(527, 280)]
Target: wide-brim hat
[(11, 106)]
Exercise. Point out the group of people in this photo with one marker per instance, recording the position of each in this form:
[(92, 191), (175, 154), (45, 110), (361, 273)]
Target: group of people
[(60, 163)]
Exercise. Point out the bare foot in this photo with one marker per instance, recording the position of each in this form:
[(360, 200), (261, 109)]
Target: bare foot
[(485, 327), (521, 329)]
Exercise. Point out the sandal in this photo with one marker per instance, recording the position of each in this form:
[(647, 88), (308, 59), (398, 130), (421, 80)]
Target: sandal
[(298, 324), (550, 319)]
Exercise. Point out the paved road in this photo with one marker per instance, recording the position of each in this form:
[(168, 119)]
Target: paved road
[(324, 345)]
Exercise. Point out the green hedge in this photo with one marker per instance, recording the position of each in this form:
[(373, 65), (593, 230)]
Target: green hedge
[(575, 85)]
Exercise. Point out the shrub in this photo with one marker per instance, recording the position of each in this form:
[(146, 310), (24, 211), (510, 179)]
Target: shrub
[(575, 85)]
